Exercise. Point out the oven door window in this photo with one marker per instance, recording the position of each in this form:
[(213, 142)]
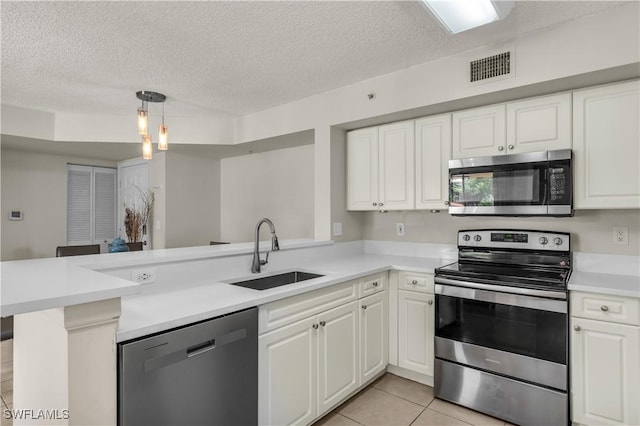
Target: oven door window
[(524, 331), (499, 186)]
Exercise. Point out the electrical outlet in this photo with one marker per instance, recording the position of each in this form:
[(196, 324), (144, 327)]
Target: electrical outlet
[(400, 229), (337, 229), (621, 235), (144, 276)]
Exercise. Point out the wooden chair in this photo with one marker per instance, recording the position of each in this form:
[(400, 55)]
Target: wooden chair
[(63, 251), (135, 246)]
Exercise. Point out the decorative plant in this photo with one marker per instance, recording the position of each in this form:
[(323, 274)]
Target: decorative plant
[(137, 218)]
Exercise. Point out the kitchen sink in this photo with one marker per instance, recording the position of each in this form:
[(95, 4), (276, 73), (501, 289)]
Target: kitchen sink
[(272, 281)]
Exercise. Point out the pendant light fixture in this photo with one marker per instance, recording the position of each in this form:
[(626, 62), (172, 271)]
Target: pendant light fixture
[(143, 123)]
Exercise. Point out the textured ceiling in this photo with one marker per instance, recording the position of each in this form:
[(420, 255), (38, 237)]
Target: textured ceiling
[(232, 57)]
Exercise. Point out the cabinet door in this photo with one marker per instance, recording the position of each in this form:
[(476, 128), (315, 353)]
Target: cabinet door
[(397, 169), (539, 124), (606, 131), (479, 132), (433, 152), (605, 373), (415, 331), (374, 347), (287, 360), (338, 355), (362, 169)]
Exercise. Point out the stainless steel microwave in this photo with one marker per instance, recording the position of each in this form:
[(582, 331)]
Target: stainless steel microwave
[(528, 184)]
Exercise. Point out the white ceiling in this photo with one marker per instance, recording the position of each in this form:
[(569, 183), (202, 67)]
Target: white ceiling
[(232, 57)]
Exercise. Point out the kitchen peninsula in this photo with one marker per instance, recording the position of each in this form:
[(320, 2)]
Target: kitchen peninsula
[(70, 312)]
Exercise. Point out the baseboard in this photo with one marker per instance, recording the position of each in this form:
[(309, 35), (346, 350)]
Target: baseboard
[(411, 375)]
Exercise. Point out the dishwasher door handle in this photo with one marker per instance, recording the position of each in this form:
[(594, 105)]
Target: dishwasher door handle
[(194, 350), (201, 348)]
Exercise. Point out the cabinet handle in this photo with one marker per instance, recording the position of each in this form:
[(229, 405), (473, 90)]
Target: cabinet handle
[(500, 148), (322, 323), (375, 204), (511, 146), (364, 307), (414, 282), (375, 284), (576, 327), (604, 308), (430, 302), (381, 204), (446, 203), (315, 326)]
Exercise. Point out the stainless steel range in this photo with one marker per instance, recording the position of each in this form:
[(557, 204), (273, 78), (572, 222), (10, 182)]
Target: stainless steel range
[(502, 321)]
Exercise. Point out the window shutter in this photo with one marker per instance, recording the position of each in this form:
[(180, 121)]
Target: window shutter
[(79, 217), (105, 205)]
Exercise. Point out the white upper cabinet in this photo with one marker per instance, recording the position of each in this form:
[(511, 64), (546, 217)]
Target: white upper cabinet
[(479, 132), (536, 124), (397, 170), (433, 151), (380, 168), (606, 144), (362, 169), (539, 124)]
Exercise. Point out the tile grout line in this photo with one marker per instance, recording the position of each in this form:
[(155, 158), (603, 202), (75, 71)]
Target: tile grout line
[(353, 420), (401, 397)]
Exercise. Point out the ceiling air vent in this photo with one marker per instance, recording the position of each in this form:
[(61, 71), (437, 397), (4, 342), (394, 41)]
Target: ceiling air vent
[(491, 67)]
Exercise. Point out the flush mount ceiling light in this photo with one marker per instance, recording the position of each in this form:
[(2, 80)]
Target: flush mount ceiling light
[(462, 15), (143, 123)]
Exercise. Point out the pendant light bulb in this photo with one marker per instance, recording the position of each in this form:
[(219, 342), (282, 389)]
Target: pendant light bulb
[(143, 121), (163, 138), (147, 147)]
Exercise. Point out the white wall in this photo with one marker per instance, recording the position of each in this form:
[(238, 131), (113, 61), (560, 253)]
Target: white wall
[(37, 185), (192, 200), (274, 184), (591, 230)]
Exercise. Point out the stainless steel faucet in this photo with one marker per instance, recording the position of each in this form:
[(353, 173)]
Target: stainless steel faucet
[(257, 263)]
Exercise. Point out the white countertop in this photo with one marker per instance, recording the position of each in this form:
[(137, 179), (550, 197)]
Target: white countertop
[(150, 313), (593, 282), (38, 284)]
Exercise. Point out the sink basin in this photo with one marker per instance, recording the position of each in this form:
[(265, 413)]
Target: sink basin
[(272, 281)]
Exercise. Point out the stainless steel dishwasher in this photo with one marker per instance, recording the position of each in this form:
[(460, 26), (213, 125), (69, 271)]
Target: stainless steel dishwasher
[(202, 374)]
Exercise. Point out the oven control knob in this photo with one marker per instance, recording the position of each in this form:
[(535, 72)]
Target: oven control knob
[(477, 237), (557, 241), (466, 237), (543, 240)]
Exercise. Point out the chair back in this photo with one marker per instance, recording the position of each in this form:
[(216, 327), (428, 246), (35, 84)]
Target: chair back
[(63, 251), (135, 246)]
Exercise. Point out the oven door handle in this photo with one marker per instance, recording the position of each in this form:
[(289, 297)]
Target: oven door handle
[(501, 288), (502, 298)]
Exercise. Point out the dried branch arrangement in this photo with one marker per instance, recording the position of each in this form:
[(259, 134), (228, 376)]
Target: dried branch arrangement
[(137, 218)]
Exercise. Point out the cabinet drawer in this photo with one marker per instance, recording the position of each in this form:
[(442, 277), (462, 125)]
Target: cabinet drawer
[(372, 284), (415, 281), (287, 311), (603, 307)]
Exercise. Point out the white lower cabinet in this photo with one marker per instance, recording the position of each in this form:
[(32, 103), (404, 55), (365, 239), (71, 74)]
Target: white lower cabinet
[(287, 381), (308, 367), (605, 360), (416, 331), (373, 336), (338, 356)]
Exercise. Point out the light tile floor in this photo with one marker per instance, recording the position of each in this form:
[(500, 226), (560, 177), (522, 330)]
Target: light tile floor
[(6, 380), (395, 401)]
